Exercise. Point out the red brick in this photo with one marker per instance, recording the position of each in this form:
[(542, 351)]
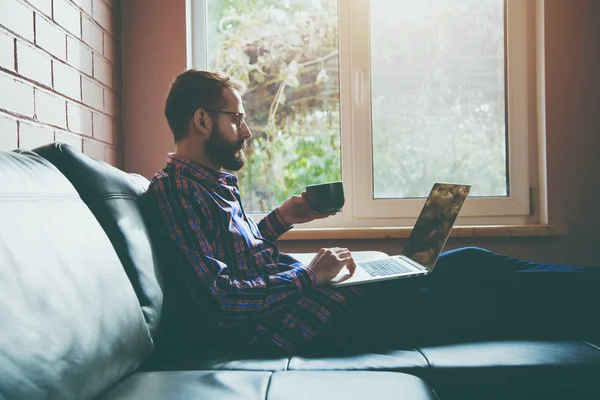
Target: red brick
[(50, 38), (94, 149), (16, 96), (103, 128), (67, 80), (68, 16), (31, 136), (79, 56), (50, 109), (33, 64), (103, 70), (91, 94), (7, 51), (17, 17), (68, 138), (8, 133), (92, 34), (79, 119), (85, 5), (45, 6), (103, 15)]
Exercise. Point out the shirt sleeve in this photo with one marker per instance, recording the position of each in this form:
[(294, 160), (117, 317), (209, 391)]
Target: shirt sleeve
[(272, 226), (181, 219)]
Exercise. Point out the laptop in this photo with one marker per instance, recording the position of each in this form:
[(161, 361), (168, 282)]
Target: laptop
[(424, 245)]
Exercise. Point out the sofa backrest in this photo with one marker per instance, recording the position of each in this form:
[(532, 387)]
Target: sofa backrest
[(115, 198), (70, 322)]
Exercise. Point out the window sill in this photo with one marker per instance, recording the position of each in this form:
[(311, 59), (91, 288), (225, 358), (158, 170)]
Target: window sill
[(404, 232)]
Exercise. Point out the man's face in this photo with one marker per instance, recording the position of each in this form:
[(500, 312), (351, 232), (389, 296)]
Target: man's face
[(226, 152), (227, 139)]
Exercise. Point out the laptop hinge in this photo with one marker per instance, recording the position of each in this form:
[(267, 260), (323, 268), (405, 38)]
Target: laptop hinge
[(413, 263)]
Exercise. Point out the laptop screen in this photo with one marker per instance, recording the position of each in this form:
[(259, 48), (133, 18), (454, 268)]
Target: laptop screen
[(435, 222)]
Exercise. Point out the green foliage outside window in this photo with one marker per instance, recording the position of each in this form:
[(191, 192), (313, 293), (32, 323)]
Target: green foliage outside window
[(288, 58)]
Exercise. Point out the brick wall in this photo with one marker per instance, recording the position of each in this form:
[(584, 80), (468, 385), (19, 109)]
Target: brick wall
[(60, 75)]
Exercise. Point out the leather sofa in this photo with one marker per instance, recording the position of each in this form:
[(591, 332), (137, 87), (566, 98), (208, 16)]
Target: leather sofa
[(85, 311)]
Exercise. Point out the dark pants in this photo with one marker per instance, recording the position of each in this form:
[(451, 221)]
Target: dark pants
[(473, 294)]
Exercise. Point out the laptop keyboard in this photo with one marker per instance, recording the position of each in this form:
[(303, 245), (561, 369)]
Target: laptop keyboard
[(385, 266)]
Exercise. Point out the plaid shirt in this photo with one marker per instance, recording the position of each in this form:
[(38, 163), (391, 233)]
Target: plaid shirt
[(231, 264)]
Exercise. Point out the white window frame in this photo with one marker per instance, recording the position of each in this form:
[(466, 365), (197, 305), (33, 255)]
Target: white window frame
[(523, 108)]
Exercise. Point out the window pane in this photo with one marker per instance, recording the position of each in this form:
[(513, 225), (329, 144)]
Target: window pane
[(438, 96), (286, 52)]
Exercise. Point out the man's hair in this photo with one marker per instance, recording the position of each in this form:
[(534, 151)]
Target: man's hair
[(191, 90)]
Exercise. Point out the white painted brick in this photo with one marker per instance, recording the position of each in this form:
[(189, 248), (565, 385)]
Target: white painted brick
[(85, 5), (68, 16), (17, 17), (45, 6), (94, 149), (31, 136), (33, 64), (91, 94), (92, 34), (79, 56), (103, 71), (16, 96), (7, 51), (67, 80), (50, 109), (8, 133), (112, 157), (112, 104), (103, 128), (79, 119), (72, 140), (50, 38), (103, 15), (109, 49)]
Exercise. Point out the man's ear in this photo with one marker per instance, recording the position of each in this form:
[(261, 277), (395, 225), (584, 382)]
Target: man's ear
[(199, 120)]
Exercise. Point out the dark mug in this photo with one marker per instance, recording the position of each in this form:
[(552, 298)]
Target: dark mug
[(325, 198)]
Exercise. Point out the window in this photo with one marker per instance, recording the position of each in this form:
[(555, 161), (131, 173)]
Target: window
[(389, 96)]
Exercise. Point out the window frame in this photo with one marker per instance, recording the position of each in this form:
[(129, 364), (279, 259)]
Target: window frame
[(523, 39)]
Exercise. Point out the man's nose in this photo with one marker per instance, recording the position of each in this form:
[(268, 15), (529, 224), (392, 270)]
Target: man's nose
[(246, 131)]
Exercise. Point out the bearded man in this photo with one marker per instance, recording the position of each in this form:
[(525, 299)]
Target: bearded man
[(242, 290)]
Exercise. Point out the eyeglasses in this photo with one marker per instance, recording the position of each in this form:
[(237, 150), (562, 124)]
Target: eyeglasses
[(238, 118)]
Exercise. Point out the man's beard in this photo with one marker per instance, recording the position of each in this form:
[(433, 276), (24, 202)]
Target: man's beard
[(228, 155)]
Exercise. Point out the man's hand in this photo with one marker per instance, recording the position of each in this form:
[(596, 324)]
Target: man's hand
[(295, 210), (329, 262)]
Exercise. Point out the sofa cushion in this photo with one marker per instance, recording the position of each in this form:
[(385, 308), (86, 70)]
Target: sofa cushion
[(409, 360), (183, 385), (70, 321), (114, 197), (515, 368)]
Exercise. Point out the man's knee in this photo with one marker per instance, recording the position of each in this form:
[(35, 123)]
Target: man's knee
[(470, 252)]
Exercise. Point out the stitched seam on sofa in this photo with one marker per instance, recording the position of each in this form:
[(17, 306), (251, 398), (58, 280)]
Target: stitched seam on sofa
[(37, 196), (269, 385), (120, 196), (590, 344), (424, 356)]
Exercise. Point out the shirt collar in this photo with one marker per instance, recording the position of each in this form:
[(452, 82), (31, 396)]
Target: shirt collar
[(200, 171)]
